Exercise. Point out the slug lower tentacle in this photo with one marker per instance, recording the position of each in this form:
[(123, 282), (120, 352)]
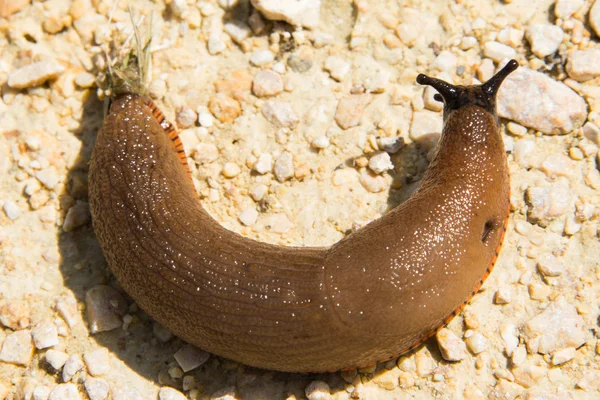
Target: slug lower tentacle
[(377, 293)]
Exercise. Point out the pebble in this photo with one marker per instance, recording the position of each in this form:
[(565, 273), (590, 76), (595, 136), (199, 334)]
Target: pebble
[(85, 80), (215, 44), (535, 100), (498, 51), (390, 145), (96, 389), (583, 65), (284, 166), (34, 74), (205, 119), (380, 162), (477, 343), (425, 123), (350, 110), (445, 61), (230, 170), (226, 109), (373, 183), (544, 39), (263, 164), (206, 153), (56, 358), (227, 393), (562, 356), (97, 362), (565, 8), (559, 326), (73, 365), (430, 102), (505, 390), (387, 379), (278, 223), (320, 142), (451, 347), (267, 83), (594, 17), (65, 391), (9, 7), (105, 308), (185, 118), (167, 393), (550, 266), (503, 295), (190, 357), (337, 67), (304, 13), (77, 216), (249, 216), (261, 57), (591, 132), (237, 30), (11, 210), (528, 375), (17, 348), (15, 314), (519, 355), (511, 36), (424, 364), (280, 114), (516, 129), (40, 393), (44, 335), (317, 390), (49, 177), (257, 192)]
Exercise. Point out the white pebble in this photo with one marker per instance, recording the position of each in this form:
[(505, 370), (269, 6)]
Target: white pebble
[(550, 266), (167, 393), (261, 57), (215, 44), (185, 117), (280, 114), (516, 129), (317, 390), (249, 216), (320, 142), (451, 347), (373, 183), (73, 365), (41, 393), (48, 177), (34, 74), (445, 61), (11, 209), (56, 358), (544, 38), (267, 83), (263, 164), (96, 389), (337, 67), (511, 36), (45, 335), (105, 308), (65, 391), (257, 192), (206, 119), (594, 17), (284, 166), (206, 153), (97, 362), (565, 8), (508, 332), (380, 162), (190, 357), (498, 51), (237, 30), (562, 356), (429, 99), (503, 295), (231, 170), (519, 355), (17, 348), (77, 216), (297, 13), (477, 343), (390, 145), (583, 65)]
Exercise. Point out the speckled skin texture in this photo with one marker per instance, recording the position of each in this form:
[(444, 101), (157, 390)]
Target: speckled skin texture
[(375, 294)]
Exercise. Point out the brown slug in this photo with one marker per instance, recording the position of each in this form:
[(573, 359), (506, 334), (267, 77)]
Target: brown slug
[(377, 293)]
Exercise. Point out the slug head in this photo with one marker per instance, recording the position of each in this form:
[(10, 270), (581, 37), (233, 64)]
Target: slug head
[(456, 96)]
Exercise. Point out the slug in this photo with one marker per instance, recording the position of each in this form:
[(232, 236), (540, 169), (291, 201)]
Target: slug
[(374, 295)]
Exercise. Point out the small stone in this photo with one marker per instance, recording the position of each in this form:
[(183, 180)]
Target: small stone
[(503, 295), (425, 123), (157, 89), (162, 333), (231, 170), (215, 44), (17, 348), (337, 67), (257, 192), (373, 183), (424, 364), (278, 223), (445, 61), (12, 210), (38, 200), (562, 356), (451, 347), (544, 38), (77, 216), (565, 8), (485, 70), (97, 362), (535, 100), (591, 132), (261, 57), (284, 166), (583, 65), (56, 358), (224, 108), (498, 51), (317, 390), (280, 114), (387, 379), (249, 216), (227, 393), (185, 118), (467, 42), (73, 365), (65, 391), (206, 153), (205, 119), (350, 110), (550, 266), (237, 30), (85, 80), (40, 393), (263, 164), (190, 357), (477, 343), (519, 355), (34, 74), (559, 326), (304, 13), (9, 7), (505, 390), (48, 177), (430, 102), (594, 17), (267, 83), (320, 142), (527, 375), (511, 36), (390, 145), (96, 389), (380, 162), (516, 129), (167, 393), (188, 383), (45, 335), (105, 308), (15, 314)]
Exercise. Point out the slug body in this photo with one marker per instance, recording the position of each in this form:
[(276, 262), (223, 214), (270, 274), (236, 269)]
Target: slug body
[(376, 294)]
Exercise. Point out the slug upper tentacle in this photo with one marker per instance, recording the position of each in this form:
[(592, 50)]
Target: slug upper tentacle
[(377, 293)]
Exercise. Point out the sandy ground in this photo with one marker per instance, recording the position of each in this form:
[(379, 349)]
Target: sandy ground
[(530, 333)]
